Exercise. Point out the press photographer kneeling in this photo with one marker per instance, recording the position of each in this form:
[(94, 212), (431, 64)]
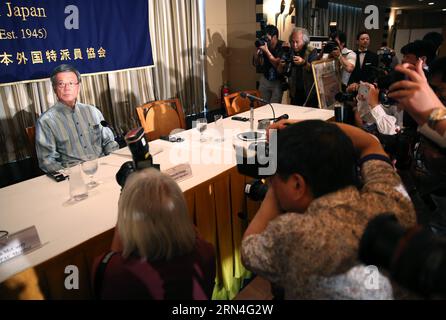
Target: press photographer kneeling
[(305, 236)]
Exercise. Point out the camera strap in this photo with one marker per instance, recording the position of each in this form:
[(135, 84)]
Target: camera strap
[(100, 272)]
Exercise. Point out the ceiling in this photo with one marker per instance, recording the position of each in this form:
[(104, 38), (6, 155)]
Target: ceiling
[(400, 4)]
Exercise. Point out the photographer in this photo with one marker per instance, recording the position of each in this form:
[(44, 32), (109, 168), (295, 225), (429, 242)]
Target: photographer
[(306, 233), (268, 54), (417, 97), (296, 65), (373, 116), (345, 56)]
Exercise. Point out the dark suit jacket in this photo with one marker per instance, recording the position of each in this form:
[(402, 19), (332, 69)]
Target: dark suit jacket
[(368, 72)]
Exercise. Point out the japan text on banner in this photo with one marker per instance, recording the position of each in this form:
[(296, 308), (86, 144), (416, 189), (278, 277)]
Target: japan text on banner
[(94, 36)]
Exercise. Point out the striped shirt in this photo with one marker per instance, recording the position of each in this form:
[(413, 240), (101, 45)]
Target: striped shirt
[(65, 134)]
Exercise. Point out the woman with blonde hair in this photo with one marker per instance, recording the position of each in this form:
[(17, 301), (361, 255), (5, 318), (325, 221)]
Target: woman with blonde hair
[(160, 255)]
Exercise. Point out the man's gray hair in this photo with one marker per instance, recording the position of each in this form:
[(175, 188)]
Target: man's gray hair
[(305, 34), (64, 68)]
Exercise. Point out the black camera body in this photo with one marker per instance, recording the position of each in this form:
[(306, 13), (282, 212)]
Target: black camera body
[(385, 58), (330, 46), (331, 43), (262, 41), (142, 158)]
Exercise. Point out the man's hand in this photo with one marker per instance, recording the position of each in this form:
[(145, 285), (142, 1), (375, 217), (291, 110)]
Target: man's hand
[(282, 124), (373, 96), (298, 61), (415, 95), (353, 87), (269, 210)]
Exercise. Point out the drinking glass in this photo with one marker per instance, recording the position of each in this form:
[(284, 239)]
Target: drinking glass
[(78, 188), (218, 120), (201, 125), (90, 166)]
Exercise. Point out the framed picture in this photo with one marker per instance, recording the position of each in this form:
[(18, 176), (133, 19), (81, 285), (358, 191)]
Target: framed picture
[(327, 80)]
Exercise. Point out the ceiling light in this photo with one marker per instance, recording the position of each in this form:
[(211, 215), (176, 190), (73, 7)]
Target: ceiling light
[(443, 9), (431, 3)]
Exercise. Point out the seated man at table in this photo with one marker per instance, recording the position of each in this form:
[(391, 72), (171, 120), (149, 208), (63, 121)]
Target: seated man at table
[(305, 236), (70, 130), (159, 254)]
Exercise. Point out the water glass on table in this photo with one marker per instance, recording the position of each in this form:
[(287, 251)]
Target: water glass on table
[(218, 120), (78, 188), (201, 125), (90, 166)]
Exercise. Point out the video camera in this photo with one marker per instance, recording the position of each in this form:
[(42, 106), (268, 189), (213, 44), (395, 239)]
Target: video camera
[(140, 153), (415, 258)]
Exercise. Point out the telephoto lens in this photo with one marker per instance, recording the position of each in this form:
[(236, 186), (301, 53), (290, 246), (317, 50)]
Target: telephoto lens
[(139, 148)]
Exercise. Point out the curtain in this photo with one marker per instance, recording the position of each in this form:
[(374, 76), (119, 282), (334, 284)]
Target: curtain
[(348, 18), (175, 29)]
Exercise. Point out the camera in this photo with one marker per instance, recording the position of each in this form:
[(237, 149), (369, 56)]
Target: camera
[(330, 46), (255, 160), (140, 153), (262, 41), (256, 190), (415, 258), (385, 80), (333, 34), (385, 58)]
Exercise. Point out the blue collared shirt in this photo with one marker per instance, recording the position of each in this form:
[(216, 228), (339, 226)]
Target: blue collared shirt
[(64, 134)]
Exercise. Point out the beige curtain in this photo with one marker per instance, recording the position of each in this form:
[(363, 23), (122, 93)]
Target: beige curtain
[(175, 29)]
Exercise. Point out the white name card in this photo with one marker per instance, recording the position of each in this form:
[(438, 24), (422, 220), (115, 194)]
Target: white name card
[(180, 172), (19, 243)]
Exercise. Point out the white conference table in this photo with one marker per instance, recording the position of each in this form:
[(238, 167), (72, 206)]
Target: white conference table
[(63, 225)]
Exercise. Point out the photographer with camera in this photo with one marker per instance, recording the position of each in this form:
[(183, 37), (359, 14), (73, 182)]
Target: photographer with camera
[(296, 65), (416, 96), (305, 235), (268, 55), (345, 56), (371, 115)]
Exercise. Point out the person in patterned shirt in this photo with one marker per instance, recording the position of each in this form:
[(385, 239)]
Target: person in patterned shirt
[(305, 236)]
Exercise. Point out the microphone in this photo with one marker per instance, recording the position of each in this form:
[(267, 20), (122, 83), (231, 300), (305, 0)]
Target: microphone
[(118, 138), (105, 124), (251, 97), (283, 116)]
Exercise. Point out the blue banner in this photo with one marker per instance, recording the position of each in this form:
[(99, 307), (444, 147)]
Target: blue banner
[(92, 35)]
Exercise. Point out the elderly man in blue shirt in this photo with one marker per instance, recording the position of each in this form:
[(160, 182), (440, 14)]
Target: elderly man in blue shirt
[(69, 130)]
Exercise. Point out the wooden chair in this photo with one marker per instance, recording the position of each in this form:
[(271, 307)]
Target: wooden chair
[(235, 104), (159, 118), (31, 134)]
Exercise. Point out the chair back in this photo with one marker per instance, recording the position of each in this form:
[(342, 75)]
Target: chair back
[(159, 118), (31, 134), (234, 103)]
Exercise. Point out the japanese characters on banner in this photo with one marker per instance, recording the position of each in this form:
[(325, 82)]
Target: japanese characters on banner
[(94, 36)]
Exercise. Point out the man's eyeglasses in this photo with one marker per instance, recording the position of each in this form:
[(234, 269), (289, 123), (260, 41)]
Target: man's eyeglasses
[(62, 85)]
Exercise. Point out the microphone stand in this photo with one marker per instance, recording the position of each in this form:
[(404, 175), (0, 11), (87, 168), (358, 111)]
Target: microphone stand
[(251, 135)]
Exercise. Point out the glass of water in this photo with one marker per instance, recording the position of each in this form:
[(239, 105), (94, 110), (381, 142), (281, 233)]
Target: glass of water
[(90, 166), (78, 188), (218, 120), (201, 125)]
